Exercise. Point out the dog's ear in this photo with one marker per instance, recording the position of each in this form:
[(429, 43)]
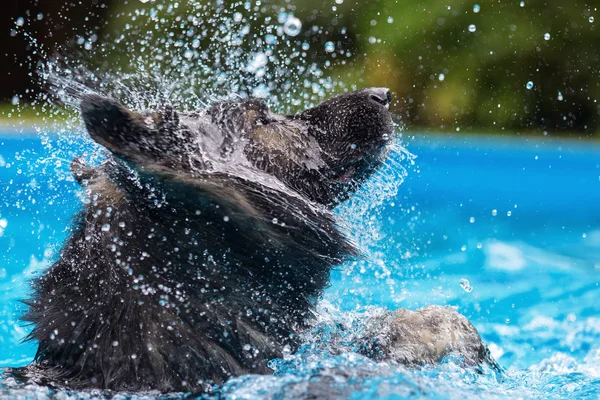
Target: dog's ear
[(113, 126), (134, 137)]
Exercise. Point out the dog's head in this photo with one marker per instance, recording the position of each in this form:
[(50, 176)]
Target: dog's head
[(324, 153)]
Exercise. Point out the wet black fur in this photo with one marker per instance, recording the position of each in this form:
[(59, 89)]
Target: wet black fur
[(206, 241)]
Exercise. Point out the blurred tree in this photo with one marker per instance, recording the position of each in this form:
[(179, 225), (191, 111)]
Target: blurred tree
[(497, 65)]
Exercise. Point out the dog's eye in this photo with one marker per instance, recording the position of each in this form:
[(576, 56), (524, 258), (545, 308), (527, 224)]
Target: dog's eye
[(383, 101)]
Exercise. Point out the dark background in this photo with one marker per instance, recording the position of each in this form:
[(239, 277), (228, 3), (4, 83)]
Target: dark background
[(60, 19)]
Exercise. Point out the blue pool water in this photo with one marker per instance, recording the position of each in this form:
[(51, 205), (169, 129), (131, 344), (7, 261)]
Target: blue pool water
[(515, 220)]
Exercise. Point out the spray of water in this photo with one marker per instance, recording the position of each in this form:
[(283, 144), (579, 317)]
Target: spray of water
[(189, 55)]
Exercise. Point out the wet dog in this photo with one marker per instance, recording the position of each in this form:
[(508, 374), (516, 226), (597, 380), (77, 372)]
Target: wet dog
[(207, 239)]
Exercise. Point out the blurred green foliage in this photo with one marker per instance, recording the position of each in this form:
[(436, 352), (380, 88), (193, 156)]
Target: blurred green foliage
[(466, 64), (493, 65)]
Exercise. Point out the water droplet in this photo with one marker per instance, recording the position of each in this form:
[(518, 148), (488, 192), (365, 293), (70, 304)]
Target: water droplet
[(15, 100), (287, 350), (472, 28), (258, 61), (546, 36), (226, 218), (270, 39), (463, 248), (529, 85), (261, 91), (329, 47), (115, 343), (466, 285), (560, 96), (441, 77), (20, 21), (472, 220), (339, 1), (292, 26), (591, 20), (281, 17), (476, 8), (105, 227), (390, 20), (494, 212), (522, 4)]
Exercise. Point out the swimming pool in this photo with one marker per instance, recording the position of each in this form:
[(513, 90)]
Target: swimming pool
[(507, 229)]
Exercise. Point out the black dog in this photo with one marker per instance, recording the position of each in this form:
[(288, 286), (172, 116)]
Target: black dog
[(207, 239)]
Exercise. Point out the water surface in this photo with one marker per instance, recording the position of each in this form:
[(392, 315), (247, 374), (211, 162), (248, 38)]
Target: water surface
[(506, 229)]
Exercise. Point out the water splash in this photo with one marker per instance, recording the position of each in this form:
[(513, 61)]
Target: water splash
[(292, 26), (466, 285), (191, 56)]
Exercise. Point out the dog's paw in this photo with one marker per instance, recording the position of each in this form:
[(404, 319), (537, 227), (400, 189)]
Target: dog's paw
[(425, 336)]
